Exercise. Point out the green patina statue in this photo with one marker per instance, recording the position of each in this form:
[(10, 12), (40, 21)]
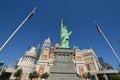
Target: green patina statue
[(64, 36)]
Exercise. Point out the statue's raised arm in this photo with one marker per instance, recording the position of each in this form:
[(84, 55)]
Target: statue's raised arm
[(70, 33)]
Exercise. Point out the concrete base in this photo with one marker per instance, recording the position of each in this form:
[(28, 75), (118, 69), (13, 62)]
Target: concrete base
[(63, 66)]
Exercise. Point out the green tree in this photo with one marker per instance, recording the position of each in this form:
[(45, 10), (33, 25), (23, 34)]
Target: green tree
[(88, 75), (3, 76), (115, 77), (45, 75), (18, 74), (34, 74), (84, 76), (78, 75)]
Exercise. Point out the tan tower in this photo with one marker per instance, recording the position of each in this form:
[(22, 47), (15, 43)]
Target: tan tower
[(43, 61)]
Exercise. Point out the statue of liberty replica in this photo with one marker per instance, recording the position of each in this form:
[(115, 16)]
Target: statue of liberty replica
[(64, 36), (63, 66)]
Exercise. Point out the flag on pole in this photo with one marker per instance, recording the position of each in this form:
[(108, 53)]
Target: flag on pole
[(29, 16), (98, 28), (100, 31), (32, 13)]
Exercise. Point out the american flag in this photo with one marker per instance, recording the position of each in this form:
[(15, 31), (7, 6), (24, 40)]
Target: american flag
[(32, 13), (98, 28)]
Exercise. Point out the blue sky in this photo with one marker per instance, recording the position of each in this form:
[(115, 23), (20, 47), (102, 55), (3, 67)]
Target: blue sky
[(79, 17)]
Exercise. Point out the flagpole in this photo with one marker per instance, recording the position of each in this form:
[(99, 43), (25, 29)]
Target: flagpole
[(108, 43), (17, 29)]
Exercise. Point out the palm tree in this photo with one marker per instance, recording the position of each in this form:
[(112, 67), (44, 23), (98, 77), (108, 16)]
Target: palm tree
[(18, 74), (34, 74), (45, 75)]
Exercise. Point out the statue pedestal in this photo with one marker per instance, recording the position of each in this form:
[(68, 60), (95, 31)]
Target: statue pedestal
[(63, 66)]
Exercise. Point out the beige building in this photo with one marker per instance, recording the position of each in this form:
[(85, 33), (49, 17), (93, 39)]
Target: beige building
[(85, 61), (26, 63), (42, 64)]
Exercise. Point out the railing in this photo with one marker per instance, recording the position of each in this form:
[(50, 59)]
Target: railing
[(104, 71)]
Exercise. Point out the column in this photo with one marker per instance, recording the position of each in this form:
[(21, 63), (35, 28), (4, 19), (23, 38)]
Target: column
[(95, 63), (25, 59), (96, 77), (105, 76), (29, 58)]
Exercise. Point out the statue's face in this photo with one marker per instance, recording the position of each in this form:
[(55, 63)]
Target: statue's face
[(65, 27)]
